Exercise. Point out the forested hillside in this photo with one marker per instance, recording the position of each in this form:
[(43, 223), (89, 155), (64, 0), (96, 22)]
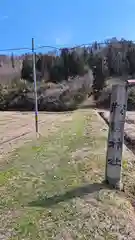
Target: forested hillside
[(114, 58)]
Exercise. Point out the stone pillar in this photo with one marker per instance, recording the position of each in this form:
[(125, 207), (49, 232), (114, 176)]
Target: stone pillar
[(116, 135)]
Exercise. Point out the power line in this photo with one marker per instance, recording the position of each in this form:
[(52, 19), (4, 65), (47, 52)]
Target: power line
[(59, 49), (14, 49), (47, 47)]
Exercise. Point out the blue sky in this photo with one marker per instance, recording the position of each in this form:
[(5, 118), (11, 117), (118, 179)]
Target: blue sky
[(64, 22)]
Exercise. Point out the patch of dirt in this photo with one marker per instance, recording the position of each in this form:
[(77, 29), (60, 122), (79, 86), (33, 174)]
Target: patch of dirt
[(6, 218), (113, 223), (64, 235), (80, 154), (17, 128)]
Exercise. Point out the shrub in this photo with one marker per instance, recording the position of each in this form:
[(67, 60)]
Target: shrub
[(131, 98), (105, 98), (19, 95)]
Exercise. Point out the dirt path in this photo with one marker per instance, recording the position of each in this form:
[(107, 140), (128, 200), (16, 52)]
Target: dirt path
[(17, 128)]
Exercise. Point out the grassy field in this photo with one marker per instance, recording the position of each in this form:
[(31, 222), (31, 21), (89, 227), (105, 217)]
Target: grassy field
[(53, 188)]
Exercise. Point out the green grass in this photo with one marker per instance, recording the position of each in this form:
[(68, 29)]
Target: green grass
[(53, 189), (6, 175)]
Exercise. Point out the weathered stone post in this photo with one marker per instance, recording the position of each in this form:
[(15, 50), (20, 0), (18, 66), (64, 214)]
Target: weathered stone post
[(116, 135)]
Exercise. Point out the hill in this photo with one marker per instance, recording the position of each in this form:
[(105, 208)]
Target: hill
[(113, 59)]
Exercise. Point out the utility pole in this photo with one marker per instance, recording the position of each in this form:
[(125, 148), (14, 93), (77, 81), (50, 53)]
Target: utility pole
[(35, 86)]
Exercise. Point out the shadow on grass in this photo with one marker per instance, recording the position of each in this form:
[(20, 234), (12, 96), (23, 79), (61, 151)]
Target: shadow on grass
[(77, 192)]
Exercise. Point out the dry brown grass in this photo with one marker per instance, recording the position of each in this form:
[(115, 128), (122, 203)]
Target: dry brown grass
[(17, 128), (53, 188)]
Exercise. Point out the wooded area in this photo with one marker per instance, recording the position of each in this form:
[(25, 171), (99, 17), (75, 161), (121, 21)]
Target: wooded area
[(114, 58)]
